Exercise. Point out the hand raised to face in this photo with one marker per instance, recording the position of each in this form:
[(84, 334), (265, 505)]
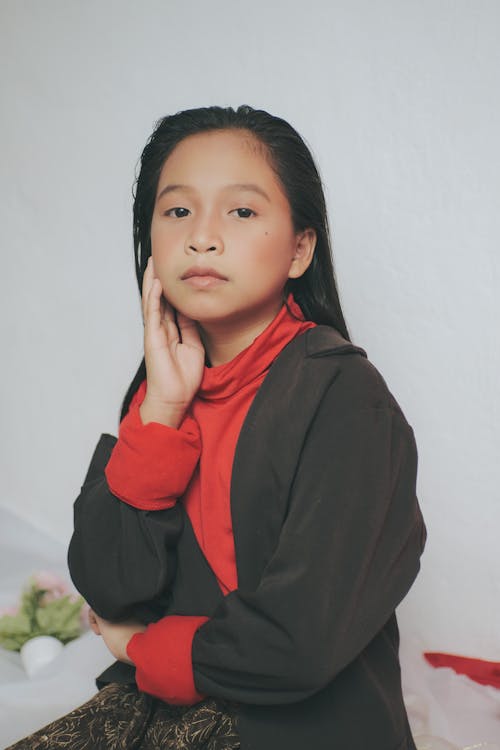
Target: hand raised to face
[(173, 353)]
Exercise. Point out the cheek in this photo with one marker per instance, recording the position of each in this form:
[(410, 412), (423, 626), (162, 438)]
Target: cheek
[(162, 242), (273, 250), (279, 234), (155, 237)]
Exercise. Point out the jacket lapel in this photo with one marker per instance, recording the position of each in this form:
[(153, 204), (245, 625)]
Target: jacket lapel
[(270, 443)]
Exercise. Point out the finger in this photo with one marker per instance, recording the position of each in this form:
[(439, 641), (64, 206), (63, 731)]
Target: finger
[(153, 269), (149, 305), (100, 624), (188, 330), (147, 281), (93, 623), (167, 311), (169, 319), (158, 311), (152, 316)]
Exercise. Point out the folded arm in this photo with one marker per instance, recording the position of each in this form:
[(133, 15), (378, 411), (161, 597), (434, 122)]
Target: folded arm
[(126, 521), (348, 553)]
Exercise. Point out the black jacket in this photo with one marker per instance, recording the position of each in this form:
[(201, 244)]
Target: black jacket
[(328, 535)]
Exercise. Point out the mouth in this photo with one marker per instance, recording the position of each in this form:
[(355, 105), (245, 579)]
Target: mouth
[(198, 272)]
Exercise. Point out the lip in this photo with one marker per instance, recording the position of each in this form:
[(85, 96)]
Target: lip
[(204, 282), (201, 272)]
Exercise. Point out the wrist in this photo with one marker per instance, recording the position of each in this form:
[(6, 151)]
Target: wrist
[(166, 414)]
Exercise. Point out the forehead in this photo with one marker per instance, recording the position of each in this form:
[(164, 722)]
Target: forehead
[(224, 154)]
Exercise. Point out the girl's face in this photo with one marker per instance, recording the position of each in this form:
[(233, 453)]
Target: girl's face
[(222, 237)]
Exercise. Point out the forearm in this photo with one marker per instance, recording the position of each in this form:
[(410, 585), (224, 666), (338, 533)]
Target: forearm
[(121, 559), (121, 555)]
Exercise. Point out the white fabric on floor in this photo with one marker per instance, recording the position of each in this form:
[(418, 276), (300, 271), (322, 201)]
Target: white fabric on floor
[(446, 705), (27, 705), (447, 711)]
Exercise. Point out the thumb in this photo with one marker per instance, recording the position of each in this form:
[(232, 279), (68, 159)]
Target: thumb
[(188, 330)]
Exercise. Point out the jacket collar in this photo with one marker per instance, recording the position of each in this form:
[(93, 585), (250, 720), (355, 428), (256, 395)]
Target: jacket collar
[(322, 341)]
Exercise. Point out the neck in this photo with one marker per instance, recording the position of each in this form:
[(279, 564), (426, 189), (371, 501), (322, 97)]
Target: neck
[(224, 340)]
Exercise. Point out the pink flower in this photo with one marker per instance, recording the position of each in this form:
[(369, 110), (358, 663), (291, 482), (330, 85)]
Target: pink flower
[(54, 586), (48, 581), (14, 610)]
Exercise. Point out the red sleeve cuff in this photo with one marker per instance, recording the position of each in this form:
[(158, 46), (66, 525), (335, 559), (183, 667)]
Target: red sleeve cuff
[(151, 465), (162, 656)]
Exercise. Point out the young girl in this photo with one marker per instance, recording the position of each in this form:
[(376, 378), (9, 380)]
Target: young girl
[(245, 541)]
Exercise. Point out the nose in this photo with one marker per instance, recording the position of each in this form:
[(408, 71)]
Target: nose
[(204, 238), (200, 248)]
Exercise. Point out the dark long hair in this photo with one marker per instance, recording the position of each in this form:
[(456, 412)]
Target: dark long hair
[(316, 290)]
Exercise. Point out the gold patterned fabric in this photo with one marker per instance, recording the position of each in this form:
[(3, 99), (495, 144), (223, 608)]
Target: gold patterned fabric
[(120, 717)]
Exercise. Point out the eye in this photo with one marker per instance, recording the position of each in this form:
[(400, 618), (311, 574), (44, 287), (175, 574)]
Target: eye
[(178, 212), (244, 213)]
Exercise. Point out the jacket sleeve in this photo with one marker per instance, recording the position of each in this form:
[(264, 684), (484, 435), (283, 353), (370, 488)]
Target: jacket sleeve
[(122, 554), (348, 552)]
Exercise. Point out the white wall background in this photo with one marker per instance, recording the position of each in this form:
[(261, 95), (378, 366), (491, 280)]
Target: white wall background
[(399, 101)]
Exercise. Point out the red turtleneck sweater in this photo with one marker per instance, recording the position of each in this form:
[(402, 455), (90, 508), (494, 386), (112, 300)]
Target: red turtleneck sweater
[(153, 465)]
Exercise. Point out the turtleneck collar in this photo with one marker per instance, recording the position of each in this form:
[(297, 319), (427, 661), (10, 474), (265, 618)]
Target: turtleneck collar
[(224, 380)]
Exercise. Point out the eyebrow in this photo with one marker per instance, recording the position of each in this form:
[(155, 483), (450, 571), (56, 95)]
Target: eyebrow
[(242, 186)]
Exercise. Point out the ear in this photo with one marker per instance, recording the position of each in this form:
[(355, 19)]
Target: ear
[(304, 251)]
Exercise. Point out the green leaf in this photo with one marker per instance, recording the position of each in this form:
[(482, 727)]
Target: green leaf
[(60, 618), (15, 630)]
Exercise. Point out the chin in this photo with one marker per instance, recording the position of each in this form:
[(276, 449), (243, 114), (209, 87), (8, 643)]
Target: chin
[(204, 306)]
